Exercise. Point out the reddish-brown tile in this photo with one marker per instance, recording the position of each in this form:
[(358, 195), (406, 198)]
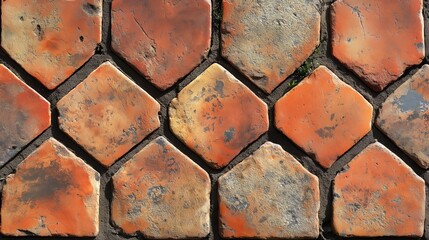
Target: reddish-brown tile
[(162, 194), (404, 117), (51, 39), (52, 193), (108, 114), (268, 40), (379, 39), (164, 40), (217, 116), (324, 116), (378, 195), (269, 195), (24, 114)]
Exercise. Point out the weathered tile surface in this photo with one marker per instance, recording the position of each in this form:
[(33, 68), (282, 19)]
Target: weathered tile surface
[(268, 40), (51, 39), (162, 194), (404, 117), (52, 193), (324, 116), (378, 195), (217, 116), (269, 195), (24, 114), (164, 40), (378, 40), (108, 114)]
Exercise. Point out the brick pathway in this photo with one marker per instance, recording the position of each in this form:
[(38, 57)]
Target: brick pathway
[(214, 119)]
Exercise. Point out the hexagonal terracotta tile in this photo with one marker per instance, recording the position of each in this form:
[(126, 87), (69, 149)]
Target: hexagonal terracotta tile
[(404, 117), (378, 40), (52, 193), (162, 194), (107, 114), (164, 40), (257, 39), (51, 39), (269, 195), (25, 114), (324, 116), (211, 116), (378, 195)]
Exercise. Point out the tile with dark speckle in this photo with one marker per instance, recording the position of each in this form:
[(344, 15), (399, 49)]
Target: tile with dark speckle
[(378, 195), (52, 193), (217, 116), (324, 116), (162, 194), (24, 114), (268, 40), (269, 195), (404, 117), (108, 114), (51, 39)]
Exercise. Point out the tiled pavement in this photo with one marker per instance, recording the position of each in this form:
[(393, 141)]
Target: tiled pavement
[(214, 119)]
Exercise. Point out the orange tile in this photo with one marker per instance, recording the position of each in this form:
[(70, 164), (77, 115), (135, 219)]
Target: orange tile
[(51, 39), (162, 194), (52, 193), (379, 39), (378, 195), (217, 116), (107, 114), (24, 114), (164, 40), (324, 116)]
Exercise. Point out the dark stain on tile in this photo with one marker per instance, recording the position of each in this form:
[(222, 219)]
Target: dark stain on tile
[(412, 101), (229, 134), (238, 202), (156, 193), (45, 182)]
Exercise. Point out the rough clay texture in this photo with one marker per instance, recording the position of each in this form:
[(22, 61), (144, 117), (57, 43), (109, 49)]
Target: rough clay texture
[(52, 193), (108, 114), (324, 116), (379, 39), (162, 193), (51, 39), (268, 40), (269, 195), (164, 40), (201, 116), (377, 194), (404, 117), (242, 109), (21, 120)]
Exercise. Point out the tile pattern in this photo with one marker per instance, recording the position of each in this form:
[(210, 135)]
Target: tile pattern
[(197, 156)]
